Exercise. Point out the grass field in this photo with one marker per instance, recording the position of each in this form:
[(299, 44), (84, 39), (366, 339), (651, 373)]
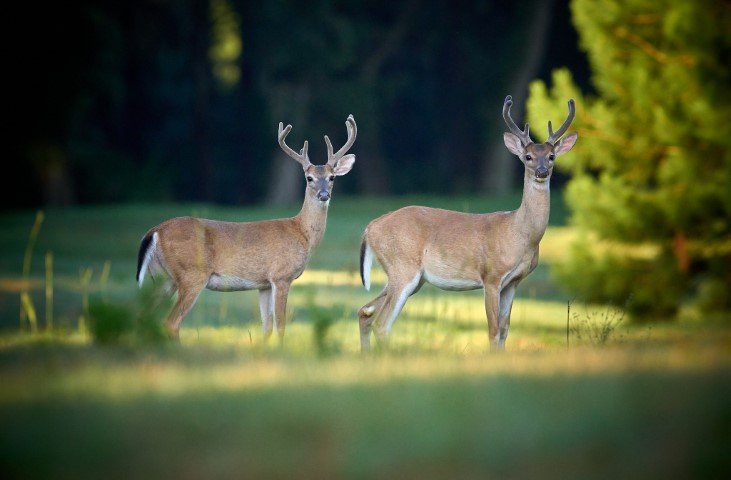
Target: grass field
[(618, 401), (87, 237)]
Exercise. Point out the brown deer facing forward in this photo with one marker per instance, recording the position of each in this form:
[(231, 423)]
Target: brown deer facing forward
[(459, 251), (196, 253)]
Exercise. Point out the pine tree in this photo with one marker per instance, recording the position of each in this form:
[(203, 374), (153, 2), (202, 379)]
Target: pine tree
[(650, 188)]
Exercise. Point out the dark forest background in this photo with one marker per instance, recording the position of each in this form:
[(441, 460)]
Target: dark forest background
[(162, 100)]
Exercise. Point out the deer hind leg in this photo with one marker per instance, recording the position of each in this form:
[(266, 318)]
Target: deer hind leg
[(187, 295), (398, 291), (266, 307), (365, 319)]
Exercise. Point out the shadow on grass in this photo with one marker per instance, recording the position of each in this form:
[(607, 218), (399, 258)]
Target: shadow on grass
[(611, 426)]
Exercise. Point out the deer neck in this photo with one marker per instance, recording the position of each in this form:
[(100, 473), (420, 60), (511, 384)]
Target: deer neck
[(313, 219), (531, 218)]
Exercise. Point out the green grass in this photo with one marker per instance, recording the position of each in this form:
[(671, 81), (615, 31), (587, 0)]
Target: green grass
[(220, 405), (644, 401)]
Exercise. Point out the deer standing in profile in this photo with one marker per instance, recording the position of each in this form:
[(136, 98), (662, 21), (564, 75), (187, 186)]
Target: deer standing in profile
[(460, 251), (268, 255)]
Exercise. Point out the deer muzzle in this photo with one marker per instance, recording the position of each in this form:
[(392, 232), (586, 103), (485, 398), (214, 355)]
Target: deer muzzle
[(542, 173), (323, 195)]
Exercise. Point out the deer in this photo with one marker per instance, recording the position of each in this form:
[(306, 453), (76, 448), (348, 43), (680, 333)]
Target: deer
[(459, 251), (198, 253)]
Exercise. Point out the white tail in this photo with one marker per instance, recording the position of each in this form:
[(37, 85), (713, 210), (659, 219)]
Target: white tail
[(366, 263), (228, 256), (146, 254), (458, 251)]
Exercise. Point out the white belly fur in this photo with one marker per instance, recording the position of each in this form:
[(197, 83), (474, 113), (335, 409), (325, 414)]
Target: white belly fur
[(452, 283), (224, 283)]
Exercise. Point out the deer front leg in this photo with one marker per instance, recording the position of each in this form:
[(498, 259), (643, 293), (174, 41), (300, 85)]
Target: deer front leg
[(280, 291), (266, 307), (492, 308), (506, 305)]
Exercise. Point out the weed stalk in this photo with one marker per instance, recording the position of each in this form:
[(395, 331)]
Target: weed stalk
[(49, 290), (27, 311), (84, 281)]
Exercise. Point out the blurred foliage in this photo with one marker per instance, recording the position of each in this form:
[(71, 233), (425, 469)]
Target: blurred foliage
[(125, 324), (653, 163), (225, 49)]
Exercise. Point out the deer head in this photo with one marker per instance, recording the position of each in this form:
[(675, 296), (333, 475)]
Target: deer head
[(538, 158), (320, 178)]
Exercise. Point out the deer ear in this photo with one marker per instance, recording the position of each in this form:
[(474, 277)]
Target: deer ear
[(565, 144), (513, 143), (344, 165)]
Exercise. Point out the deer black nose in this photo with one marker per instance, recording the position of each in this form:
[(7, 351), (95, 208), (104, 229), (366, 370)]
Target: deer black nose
[(323, 195), (541, 172)]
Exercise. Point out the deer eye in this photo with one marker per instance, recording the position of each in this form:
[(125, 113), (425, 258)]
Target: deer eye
[(551, 156), (309, 179), (331, 177), (528, 157)]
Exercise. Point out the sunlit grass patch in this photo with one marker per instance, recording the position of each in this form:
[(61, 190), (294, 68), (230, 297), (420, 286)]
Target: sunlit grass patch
[(431, 321), (228, 359), (338, 278)]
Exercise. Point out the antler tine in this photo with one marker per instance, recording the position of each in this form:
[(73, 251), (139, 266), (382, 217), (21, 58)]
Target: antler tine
[(329, 148), (303, 152), (553, 137), (524, 134), (333, 158), (300, 157)]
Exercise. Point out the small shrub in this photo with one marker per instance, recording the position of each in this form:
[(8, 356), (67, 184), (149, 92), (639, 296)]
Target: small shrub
[(108, 323), (112, 323), (713, 296), (597, 327), (322, 320), (149, 329)]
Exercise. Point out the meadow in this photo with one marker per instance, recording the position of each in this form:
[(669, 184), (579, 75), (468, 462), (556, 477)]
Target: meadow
[(581, 392)]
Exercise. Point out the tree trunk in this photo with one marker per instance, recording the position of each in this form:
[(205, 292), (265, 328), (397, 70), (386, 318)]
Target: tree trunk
[(288, 104), (499, 166), (373, 179), (377, 181)]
